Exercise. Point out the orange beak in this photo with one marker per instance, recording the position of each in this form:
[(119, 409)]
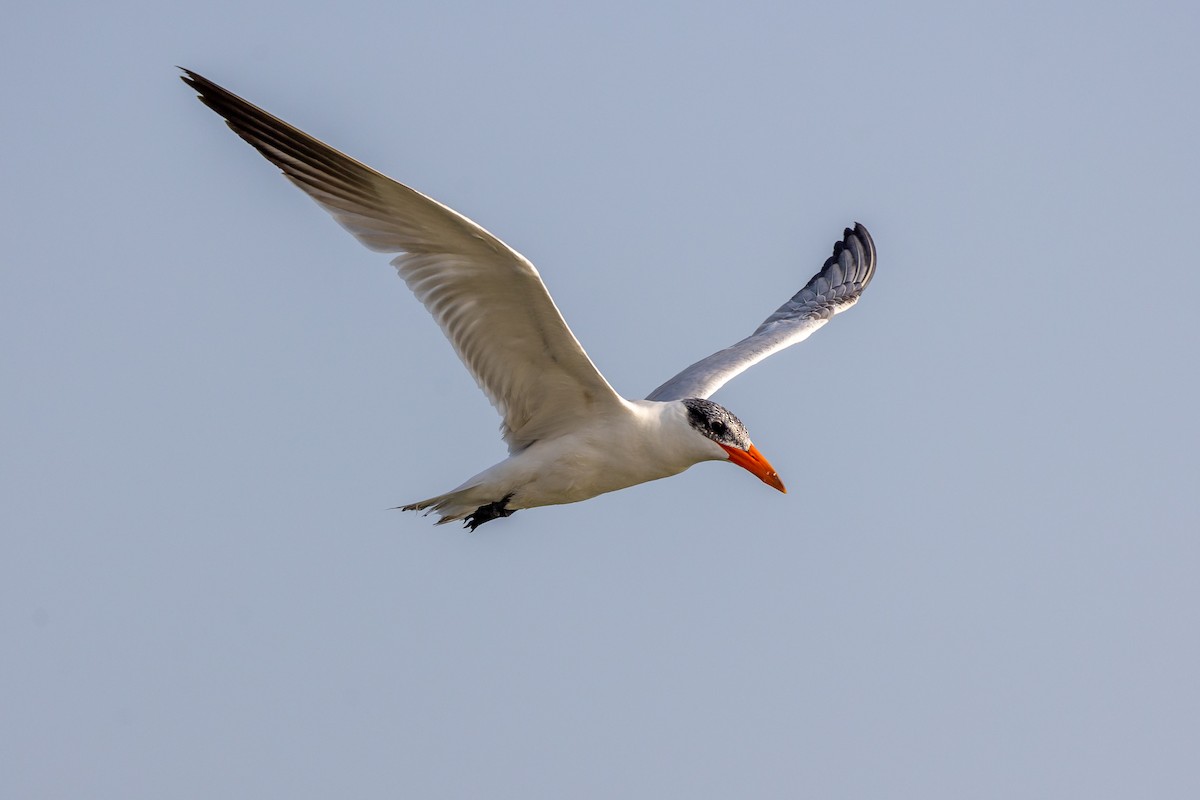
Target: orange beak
[(753, 461)]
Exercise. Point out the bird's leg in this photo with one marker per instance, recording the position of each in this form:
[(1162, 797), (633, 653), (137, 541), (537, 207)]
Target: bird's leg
[(489, 512)]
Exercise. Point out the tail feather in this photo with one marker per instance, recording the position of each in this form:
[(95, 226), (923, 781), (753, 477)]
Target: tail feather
[(437, 505), (453, 506)]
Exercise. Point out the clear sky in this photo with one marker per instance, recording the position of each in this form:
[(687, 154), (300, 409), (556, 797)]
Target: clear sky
[(982, 583)]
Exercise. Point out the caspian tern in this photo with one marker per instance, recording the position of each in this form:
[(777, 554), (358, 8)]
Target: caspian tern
[(570, 436)]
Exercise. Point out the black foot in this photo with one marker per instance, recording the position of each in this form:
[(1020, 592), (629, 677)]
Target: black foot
[(488, 513)]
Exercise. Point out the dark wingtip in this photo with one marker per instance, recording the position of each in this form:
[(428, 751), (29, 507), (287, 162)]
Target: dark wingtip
[(860, 244), (190, 78), (862, 233)]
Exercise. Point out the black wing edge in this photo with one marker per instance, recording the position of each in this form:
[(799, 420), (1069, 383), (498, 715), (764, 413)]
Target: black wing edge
[(836, 286), (862, 251), (296, 153)]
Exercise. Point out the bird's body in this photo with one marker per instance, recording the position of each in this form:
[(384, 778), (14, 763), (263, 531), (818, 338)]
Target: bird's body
[(570, 435), (643, 441)]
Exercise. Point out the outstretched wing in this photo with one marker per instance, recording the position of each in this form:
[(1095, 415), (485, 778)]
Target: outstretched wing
[(834, 289), (488, 299)]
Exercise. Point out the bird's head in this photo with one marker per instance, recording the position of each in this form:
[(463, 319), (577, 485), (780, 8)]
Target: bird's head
[(716, 423)]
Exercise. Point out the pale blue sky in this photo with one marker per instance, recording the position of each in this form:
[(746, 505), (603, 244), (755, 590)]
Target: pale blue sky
[(982, 583)]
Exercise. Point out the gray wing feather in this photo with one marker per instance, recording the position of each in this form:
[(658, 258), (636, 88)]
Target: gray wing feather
[(486, 297), (835, 288)]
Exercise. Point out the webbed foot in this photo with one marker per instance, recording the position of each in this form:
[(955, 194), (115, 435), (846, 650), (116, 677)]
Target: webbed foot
[(489, 512)]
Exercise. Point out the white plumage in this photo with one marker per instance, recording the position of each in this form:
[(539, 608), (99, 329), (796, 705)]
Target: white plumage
[(570, 435)]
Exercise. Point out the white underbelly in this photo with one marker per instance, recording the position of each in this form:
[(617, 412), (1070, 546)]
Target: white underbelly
[(569, 470)]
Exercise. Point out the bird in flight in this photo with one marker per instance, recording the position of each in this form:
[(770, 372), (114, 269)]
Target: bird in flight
[(570, 436)]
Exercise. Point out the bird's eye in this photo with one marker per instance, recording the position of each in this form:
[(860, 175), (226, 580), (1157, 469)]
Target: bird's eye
[(717, 427)]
